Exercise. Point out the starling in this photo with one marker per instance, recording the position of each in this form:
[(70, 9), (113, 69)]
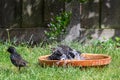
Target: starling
[(16, 58), (63, 52)]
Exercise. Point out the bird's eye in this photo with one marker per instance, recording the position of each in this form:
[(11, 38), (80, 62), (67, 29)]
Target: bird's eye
[(62, 58)]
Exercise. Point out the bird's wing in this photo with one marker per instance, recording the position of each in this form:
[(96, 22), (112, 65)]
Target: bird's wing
[(17, 59)]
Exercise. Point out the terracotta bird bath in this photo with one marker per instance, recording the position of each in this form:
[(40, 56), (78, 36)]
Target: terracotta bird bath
[(89, 60)]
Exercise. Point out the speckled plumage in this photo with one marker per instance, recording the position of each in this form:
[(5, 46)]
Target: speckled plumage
[(63, 52), (16, 58)]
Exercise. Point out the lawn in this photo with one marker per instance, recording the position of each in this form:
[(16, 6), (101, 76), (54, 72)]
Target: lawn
[(35, 72)]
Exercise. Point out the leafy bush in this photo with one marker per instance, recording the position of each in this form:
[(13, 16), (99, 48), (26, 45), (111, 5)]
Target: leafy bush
[(58, 26)]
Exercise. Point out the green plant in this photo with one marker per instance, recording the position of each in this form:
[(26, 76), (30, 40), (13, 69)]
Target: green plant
[(58, 26), (110, 43), (117, 39)]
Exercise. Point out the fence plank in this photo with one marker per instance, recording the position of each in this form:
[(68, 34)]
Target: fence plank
[(32, 13), (111, 14), (90, 14), (6, 13)]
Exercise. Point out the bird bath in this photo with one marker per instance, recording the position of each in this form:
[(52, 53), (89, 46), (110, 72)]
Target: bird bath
[(89, 60)]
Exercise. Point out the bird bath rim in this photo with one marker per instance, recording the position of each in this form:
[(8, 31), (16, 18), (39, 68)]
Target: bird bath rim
[(90, 60)]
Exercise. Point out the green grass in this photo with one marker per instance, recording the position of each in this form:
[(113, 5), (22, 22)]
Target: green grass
[(35, 72)]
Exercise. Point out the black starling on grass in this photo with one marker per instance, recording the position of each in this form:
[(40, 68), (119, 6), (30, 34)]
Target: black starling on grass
[(16, 58)]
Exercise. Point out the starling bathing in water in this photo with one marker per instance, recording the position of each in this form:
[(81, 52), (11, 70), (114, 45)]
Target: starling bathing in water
[(16, 58), (63, 52)]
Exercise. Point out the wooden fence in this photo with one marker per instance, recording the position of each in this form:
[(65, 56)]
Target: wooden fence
[(35, 13), (100, 14), (28, 13)]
